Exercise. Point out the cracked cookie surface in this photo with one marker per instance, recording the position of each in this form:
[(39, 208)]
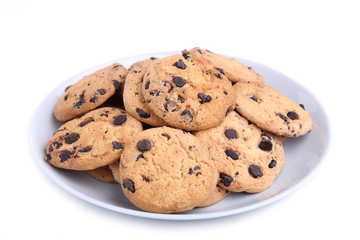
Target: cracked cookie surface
[(247, 158), (186, 95), (271, 110), (92, 141), (90, 92), (166, 170)]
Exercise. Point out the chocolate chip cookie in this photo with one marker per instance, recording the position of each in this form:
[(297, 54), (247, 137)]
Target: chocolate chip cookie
[(90, 92), (134, 101), (248, 158), (187, 95), (234, 70), (166, 170), (103, 174), (271, 110), (92, 141)]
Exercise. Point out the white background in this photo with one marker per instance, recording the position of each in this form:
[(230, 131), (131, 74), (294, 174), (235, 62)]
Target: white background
[(42, 43)]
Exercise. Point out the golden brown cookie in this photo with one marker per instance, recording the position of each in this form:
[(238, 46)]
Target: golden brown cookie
[(92, 141), (166, 170), (90, 92), (103, 174)]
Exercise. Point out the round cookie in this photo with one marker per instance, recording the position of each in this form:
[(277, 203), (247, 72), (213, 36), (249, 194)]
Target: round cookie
[(166, 170), (92, 141), (134, 101), (271, 110), (186, 95), (103, 174), (248, 158), (90, 92), (234, 70), (218, 195)]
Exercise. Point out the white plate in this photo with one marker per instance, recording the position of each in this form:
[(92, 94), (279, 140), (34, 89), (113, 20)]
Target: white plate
[(303, 154)]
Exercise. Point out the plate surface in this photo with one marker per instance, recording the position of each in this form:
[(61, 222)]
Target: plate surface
[(303, 154)]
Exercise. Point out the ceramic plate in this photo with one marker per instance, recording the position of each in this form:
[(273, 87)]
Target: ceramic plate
[(303, 154)]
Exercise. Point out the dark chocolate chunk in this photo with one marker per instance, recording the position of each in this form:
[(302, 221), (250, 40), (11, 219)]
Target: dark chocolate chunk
[(225, 92), (101, 91), (72, 137), (185, 55), (129, 185), (190, 171), (116, 145), (253, 97), (302, 105), (48, 157), (66, 97), (178, 81), (168, 85), (293, 115), (187, 112), (225, 179), (204, 98), (146, 178), (85, 149), (265, 144), (67, 88), (283, 117), (57, 144), (147, 85), (119, 120), (153, 58), (142, 113), (272, 163), (139, 156), (93, 99), (165, 135), (232, 154), (87, 121), (80, 101), (180, 64), (231, 134), (51, 149), (228, 110), (255, 171), (116, 66), (181, 99), (144, 145), (196, 167), (171, 106), (220, 70), (64, 155), (116, 84)]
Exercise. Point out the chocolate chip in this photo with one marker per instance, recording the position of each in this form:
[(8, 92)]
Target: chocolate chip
[(144, 145), (116, 66), (167, 85), (67, 88), (116, 84), (119, 120), (185, 55), (147, 85), (253, 97), (228, 111), (204, 98), (232, 154), (51, 149), (302, 106), (293, 115), (165, 135), (142, 113), (265, 144), (199, 51), (190, 171), (57, 145), (93, 99), (178, 81), (181, 99), (153, 58), (129, 185), (116, 145), (146, 178), (249, 122), (185, 113), (139, 156), (255, 171), (231, 134), (220, 70), (101, 91), (191, 147), (48, 157), (87, 121), (66, 97), (180, 64), (218, 75), (225, 92), (171, 106), (272, 163), (64, 155), (80, 101), (72, 137), (84, 150), (281, 116), (225, 179), (196, 167)]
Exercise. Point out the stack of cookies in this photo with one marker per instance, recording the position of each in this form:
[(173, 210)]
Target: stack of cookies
[(178, 132)]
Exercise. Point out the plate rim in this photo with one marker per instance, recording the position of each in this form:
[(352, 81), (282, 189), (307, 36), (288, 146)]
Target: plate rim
[(179, 216)]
